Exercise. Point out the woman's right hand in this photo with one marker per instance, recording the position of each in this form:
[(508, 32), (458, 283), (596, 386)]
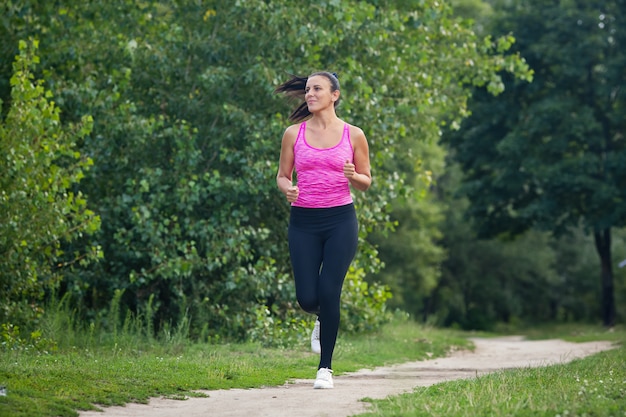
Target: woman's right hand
[(292, 193)]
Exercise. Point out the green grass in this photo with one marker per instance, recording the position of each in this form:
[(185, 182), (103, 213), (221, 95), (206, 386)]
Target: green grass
[(133, 370), (594, 386), (73, 378), (575, 333)]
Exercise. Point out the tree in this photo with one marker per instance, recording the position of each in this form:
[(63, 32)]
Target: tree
[(485, 282), (550, 154), (186, 129), (40, 208), (412, 253)]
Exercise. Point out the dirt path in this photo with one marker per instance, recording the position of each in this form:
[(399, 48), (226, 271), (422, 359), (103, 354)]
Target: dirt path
[(299, 398)]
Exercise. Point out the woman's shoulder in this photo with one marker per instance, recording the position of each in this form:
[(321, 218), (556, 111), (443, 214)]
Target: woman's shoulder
[(356, 132), (291, 133), (293, 129)]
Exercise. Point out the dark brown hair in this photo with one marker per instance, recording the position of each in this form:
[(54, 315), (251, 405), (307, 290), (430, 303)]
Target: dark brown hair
[(294, 88)]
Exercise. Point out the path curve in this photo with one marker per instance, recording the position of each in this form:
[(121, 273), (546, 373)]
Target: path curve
[(299, 398)]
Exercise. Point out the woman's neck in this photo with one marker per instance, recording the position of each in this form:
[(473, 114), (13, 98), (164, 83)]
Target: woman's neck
[(324, 120)]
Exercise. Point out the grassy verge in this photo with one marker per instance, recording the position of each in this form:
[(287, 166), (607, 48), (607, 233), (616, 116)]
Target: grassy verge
[(75, 378), (594, 386)]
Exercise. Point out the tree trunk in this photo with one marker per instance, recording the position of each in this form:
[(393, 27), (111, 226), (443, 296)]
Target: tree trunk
[(603, 246)]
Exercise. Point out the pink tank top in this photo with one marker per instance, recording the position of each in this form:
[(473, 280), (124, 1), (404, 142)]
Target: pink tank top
[(320, 172)]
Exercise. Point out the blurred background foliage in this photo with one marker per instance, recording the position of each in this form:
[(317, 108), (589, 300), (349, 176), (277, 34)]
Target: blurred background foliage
[(141, 140)]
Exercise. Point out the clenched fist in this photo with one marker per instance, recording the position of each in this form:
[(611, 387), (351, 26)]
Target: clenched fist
[(292, 193), (348, 169)]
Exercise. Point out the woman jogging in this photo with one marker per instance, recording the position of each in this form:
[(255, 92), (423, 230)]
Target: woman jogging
[(328, 156)]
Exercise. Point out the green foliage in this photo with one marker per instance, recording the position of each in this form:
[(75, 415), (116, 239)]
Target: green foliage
[(550, 154), (479, 12), (446, 61), (363, 305), (547, 153), (186, 136), (282, 331), (12, 340), (412, 254), (534, 278), (40, 206), (488, 282)]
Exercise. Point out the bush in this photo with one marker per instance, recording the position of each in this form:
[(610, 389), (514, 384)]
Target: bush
[(39, 210)]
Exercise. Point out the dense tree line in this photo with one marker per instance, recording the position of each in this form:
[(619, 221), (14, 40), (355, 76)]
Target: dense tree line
[(490, 273), (550, 155), (171, 131)]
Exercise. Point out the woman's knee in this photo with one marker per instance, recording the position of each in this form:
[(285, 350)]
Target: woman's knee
[(309, 305)]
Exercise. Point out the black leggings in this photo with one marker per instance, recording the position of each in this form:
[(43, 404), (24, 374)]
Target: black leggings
[(322, 244)]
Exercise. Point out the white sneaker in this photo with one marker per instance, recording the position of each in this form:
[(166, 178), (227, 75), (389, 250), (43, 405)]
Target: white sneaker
[(324, 379), (315, 338)]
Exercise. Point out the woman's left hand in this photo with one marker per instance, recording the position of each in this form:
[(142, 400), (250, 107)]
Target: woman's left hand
[(348, 169)]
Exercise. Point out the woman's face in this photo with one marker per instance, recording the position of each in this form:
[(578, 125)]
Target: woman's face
[(318, 94)]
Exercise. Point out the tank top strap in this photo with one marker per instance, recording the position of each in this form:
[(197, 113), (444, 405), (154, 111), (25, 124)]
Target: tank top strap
[(300, 132), (346, 136)]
